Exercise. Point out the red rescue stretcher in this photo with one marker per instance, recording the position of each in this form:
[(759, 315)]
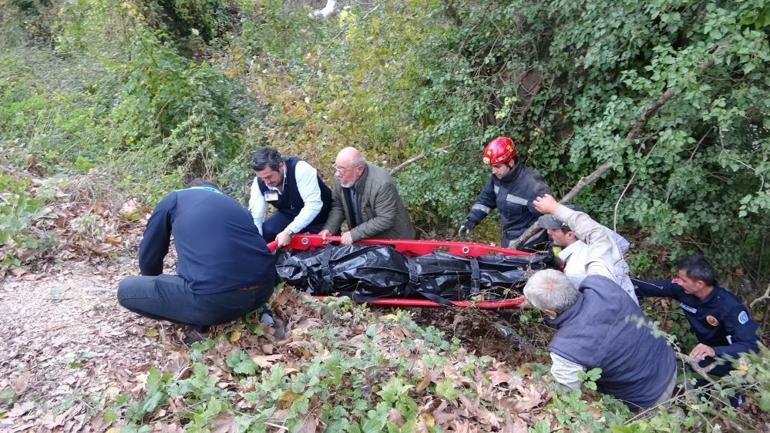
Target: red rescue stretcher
[(301, 242)]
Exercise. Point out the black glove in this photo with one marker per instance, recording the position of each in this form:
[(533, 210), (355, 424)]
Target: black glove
[(464, 230)]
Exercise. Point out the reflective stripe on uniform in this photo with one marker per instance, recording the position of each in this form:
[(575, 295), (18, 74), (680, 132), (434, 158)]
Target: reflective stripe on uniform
[(481, 207), (510, 198), (497, 189)]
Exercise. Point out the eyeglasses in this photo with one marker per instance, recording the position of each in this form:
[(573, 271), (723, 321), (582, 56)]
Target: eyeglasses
[(337, 168)]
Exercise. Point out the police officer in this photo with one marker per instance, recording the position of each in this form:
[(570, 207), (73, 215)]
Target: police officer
[(718, 318), (511, 189)]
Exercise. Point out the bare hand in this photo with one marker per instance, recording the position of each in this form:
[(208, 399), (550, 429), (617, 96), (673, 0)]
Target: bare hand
[(346, 239), (546, 204), (325, 234), (283, 239), (701, 351)]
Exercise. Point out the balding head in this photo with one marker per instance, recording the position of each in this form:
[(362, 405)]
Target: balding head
[(349, 166), (349, 157)]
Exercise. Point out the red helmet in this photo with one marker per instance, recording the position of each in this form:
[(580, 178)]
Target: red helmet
[(499, 151)]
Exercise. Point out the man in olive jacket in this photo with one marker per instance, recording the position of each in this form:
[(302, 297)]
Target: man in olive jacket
[(365, 196)]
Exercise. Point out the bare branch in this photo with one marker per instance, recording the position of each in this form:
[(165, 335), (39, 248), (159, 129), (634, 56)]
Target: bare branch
[(761, 298), (418, 157)]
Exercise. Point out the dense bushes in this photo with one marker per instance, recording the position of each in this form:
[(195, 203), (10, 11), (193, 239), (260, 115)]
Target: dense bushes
[(156, 90), (566, 80)]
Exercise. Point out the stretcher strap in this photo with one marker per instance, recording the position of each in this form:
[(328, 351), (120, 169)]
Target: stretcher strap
[(475, 276)]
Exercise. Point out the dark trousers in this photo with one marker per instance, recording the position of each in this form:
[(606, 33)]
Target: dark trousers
[(168, 297), (279, 221)]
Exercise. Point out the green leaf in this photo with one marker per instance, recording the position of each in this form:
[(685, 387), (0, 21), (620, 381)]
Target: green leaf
[(764, 402), (241, 362), (7, 396), (446, 389), (393, 390)]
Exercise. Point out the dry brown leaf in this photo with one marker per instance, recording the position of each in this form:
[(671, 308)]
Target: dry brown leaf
[(114, 239), (395, 417), (514, 425), (224, 423), (309, 425), (424, 383), (479, 412), (20, 409), (17, 272), (21, 382), (533, 394), (266, 361), (167, 428), (286, 294), (441, 416), (498, 376)]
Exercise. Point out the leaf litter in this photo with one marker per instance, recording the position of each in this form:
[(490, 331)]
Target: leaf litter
[(70, 351)]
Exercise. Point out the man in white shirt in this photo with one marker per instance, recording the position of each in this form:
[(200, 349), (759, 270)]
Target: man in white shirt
[(598, 326), (301, 199), (574, 254)]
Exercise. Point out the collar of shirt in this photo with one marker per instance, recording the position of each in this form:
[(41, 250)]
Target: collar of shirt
[(567, 252), (711, 296), (279, 190)]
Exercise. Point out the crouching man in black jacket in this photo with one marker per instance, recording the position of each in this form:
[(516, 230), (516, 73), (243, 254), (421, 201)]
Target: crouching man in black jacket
[(224, 269)]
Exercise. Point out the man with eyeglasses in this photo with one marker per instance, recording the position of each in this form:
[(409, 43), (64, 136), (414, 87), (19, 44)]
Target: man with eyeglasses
[(302, 200), (511, 189), (366, 197)]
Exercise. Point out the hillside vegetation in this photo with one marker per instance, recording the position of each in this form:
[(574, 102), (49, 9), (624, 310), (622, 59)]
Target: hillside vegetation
[(117, 102)]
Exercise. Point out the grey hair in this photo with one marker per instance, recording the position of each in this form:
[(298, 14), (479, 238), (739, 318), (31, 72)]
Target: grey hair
[(359, 161), (550, 289)]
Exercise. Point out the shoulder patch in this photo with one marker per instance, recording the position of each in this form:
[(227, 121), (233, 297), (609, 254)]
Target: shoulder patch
[(743, 317), (711, 320)]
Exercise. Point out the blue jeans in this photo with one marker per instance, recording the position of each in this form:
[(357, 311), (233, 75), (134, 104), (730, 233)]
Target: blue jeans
[(168, 297), (279, 221)]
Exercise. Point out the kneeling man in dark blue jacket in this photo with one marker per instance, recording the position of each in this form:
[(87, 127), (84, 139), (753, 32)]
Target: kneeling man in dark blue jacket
[(598, 325), (224, 267)]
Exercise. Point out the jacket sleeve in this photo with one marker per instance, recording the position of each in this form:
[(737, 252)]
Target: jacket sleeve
[(307, 185), (336, 213), (483, 206), (742, 331), (257, 205), (539, 188), (601, 248), (385, 207), (154, 245), (659, 288)]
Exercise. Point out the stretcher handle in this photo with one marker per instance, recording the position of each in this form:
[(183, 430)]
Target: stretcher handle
[(272, 246)]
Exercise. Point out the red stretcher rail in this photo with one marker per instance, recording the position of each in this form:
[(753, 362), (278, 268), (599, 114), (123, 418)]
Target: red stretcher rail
[(303, 242)]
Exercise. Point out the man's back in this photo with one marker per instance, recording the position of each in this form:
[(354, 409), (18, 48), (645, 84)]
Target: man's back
[(601, 330), (218, 246)]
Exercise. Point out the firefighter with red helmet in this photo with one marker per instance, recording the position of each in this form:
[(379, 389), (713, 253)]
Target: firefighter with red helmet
[(511, 189)]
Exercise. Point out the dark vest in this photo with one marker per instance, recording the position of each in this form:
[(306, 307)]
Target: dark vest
[(290, 201), (601, 330)]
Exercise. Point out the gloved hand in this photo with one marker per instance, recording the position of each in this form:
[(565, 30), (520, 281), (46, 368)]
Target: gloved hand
[(464, 230)]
